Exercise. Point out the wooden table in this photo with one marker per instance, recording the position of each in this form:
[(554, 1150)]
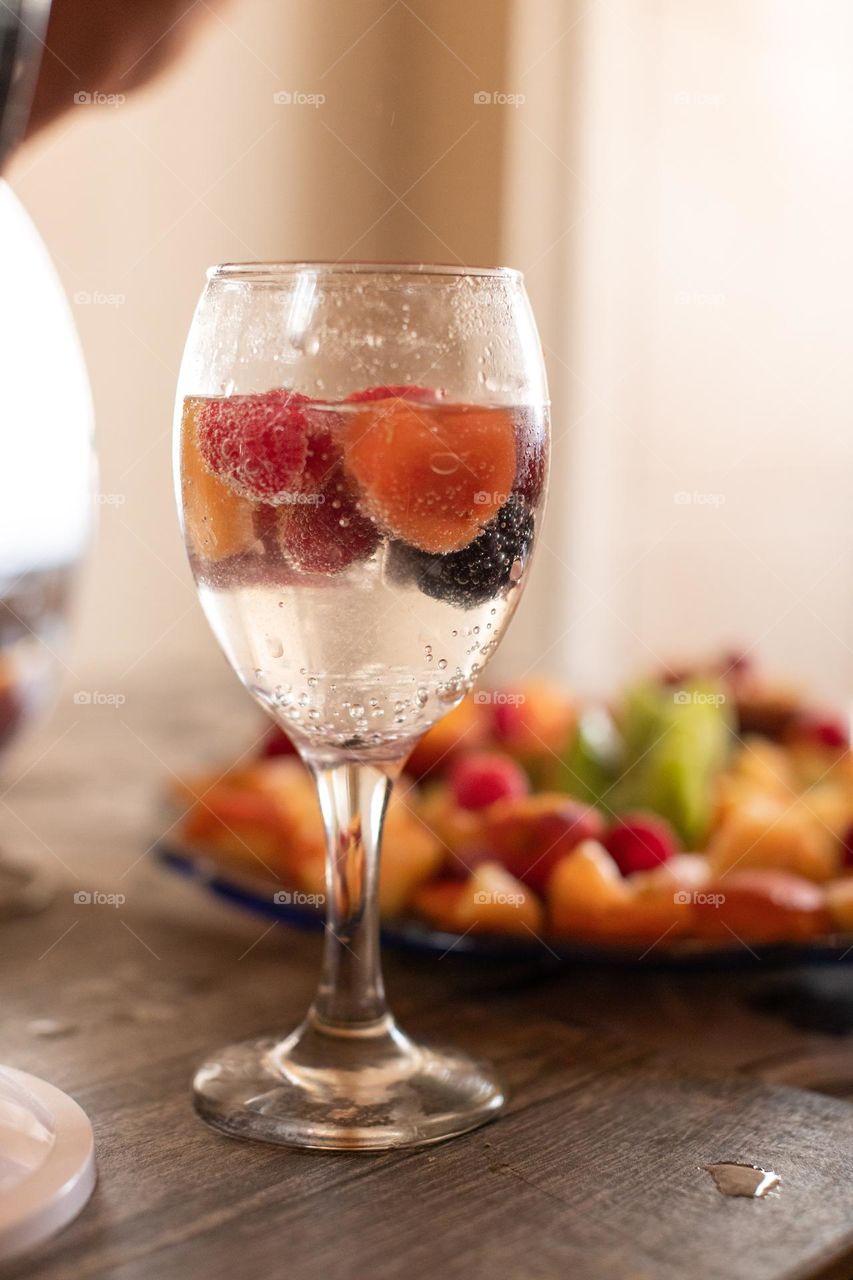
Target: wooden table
[(624, 1084)]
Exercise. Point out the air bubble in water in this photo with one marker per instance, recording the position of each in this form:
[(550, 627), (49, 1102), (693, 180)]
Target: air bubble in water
[(444, 464)]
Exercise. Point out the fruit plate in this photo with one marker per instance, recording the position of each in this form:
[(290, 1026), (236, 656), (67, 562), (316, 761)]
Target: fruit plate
[(259, 895)]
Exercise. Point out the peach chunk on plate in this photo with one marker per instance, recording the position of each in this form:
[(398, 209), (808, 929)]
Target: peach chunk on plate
[(266, 820), (590, 900), (775, 831), (489, 901), (762, 906)]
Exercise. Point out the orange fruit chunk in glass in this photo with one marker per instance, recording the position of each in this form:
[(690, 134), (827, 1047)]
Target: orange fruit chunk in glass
[(432, 475), (218, 521)]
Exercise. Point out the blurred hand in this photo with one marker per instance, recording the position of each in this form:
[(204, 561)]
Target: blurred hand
[(109, 46)]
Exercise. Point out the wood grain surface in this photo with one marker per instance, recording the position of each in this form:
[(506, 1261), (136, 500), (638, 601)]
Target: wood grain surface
[(623, 1084)]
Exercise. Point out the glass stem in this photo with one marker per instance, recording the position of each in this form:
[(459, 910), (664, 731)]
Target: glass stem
[(353, 798)]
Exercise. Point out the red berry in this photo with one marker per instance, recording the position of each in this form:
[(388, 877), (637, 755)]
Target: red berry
[(508, 720), (322, 457), (276, 743), (391, 393), (823, 731), (479, 779), (330, 533), (257, 444), (640, 842), (532, 834)]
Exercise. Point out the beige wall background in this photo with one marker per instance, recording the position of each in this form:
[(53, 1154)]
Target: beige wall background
[(136, 201), (674, 180), (712, 329)]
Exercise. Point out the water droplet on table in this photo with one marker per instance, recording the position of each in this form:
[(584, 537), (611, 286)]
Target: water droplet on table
[(748, 1180)]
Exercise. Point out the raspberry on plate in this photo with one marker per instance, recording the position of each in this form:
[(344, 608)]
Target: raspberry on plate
[(257, 444), (480, 778), (640, 842), (821, 730)]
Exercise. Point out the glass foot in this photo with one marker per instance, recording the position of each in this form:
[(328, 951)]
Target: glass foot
[(344, 1090)]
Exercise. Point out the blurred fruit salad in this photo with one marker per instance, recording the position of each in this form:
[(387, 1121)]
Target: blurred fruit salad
[(706, 802)]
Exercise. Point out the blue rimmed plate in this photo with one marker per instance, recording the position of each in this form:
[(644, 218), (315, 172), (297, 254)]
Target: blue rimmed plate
[(263, 898)]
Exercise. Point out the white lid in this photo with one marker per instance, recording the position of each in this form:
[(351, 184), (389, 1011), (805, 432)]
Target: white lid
[(47, 1160)]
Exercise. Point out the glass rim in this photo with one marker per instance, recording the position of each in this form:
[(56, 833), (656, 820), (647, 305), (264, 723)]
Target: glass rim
[(248, 271)]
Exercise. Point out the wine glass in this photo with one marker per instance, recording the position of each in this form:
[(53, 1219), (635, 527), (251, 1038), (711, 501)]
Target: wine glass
[(362, 454)]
